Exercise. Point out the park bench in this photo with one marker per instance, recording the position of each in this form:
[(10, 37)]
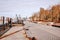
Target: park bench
[(29, 35)]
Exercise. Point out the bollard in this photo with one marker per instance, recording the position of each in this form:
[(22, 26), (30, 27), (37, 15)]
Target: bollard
[(3, 22), (3, 19), (10, 22)]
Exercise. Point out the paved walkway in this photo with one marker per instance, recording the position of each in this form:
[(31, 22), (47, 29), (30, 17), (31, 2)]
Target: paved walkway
[(15, 33), (43, 32), (40, 31)]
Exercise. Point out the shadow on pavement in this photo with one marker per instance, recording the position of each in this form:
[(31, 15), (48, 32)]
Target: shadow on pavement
[(10, 34)]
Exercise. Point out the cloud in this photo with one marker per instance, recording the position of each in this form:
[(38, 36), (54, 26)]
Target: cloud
[(24, 7)]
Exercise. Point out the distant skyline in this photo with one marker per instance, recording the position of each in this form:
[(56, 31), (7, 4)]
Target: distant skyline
[(24, 8)]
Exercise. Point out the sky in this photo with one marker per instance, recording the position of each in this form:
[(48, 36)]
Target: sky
[(24, 8)]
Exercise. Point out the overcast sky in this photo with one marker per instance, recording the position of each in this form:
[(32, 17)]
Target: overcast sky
[(24, 7)]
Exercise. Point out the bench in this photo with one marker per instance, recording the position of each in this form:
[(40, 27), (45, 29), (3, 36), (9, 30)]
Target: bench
[(29, 35)]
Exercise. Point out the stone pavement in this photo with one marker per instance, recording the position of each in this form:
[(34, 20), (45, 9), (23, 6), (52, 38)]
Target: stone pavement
[(39, 31), (43, 32), (15, 33)]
